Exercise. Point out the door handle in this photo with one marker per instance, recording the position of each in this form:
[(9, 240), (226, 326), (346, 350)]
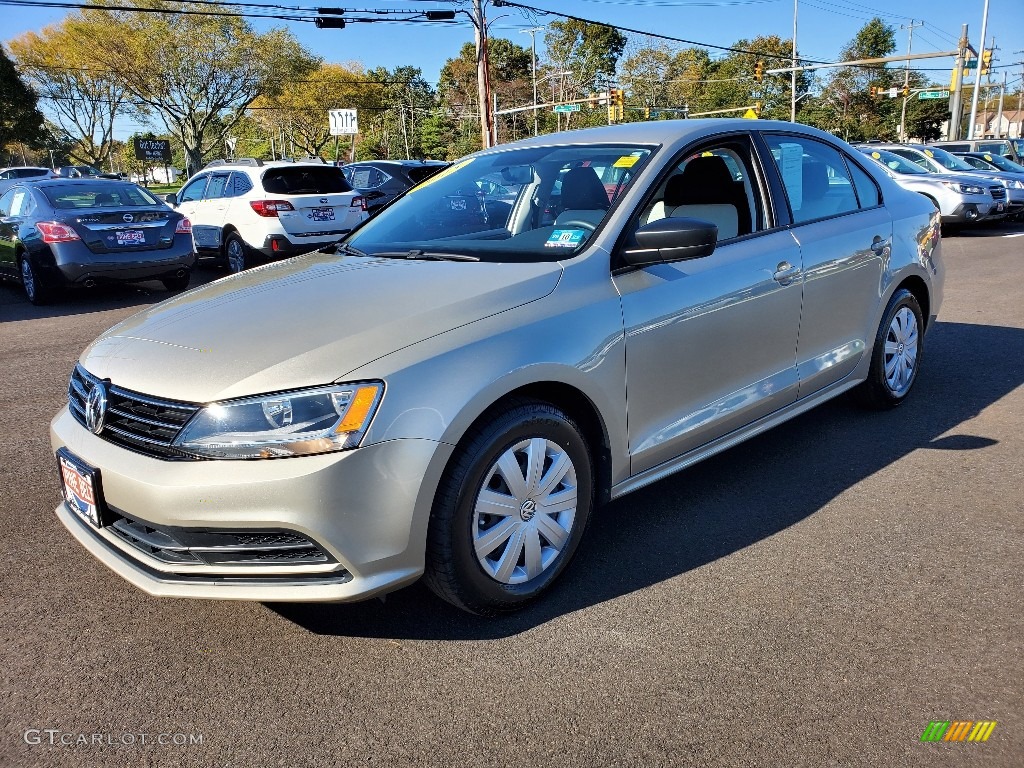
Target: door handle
[(879, 246), (785, 273)]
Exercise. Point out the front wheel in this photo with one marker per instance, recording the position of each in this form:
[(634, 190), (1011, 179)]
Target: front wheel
[(511, 510), (896, 356)]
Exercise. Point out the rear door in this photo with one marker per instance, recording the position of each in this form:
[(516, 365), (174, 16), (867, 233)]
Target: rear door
[(321, 199), (845, 245), (9, 224)]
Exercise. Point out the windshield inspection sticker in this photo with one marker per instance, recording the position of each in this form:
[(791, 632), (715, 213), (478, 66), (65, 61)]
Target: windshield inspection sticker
[(876, 155), (565, 238), (626, 161)]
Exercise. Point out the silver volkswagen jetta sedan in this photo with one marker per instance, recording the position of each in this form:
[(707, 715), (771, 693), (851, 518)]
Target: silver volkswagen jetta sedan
[(454, 388)]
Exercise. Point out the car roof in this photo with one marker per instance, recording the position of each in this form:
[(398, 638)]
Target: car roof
[(24, 168), (63, 182)]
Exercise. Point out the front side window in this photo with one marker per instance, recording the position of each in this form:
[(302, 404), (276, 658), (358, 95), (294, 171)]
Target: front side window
[(714, 184), (815, 176), (193, 191), (529, 204)]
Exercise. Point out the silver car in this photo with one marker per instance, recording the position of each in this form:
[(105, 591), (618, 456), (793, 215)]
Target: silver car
[(962, 199), (454, 388)]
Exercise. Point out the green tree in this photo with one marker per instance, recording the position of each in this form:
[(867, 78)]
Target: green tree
[(20, 118), (196, 74), (590, 52), (855, 114)]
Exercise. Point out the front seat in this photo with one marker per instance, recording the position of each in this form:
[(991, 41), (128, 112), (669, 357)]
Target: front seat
[(708, 181)]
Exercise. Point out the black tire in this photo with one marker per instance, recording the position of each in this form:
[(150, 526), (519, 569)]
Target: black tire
[(237, 254), (36, 289), (878, 391), (177, 283), (454, 572)]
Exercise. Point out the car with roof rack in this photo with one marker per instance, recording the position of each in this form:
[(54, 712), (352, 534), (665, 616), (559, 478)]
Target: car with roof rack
[(247, 210)]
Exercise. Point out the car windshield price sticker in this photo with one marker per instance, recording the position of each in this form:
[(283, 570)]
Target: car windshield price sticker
[(565, 238)]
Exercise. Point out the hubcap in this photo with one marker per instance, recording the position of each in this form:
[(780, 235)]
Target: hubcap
[(28, 279), (524, 513), (236, 259), (901, 345)]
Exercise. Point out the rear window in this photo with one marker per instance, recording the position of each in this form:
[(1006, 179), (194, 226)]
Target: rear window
[(100, 195), (419, 173), (305, 180)]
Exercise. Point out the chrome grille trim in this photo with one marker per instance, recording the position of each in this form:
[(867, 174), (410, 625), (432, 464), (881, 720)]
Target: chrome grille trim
[(998, 193), (140, 423)]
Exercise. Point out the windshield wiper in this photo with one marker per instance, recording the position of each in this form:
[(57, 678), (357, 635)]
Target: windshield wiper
[(421, 255), (346, 249)]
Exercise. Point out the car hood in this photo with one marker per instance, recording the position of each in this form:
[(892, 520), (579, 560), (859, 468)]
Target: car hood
[(956, 178), (303, 322)]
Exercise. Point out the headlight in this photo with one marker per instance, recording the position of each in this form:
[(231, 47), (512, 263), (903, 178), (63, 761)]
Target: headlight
[(288, 424), (967, 189), (1017, 184)]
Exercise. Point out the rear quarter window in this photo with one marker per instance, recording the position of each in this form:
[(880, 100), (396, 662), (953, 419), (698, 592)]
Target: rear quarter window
[(305, 180)]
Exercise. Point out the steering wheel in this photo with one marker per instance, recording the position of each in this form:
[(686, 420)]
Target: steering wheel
[(577, 224)]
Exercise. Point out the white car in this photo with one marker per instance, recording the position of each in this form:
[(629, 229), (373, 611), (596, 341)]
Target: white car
[(247, 210)]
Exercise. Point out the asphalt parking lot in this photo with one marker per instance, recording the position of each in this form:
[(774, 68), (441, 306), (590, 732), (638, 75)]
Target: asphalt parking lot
[(814, 597)]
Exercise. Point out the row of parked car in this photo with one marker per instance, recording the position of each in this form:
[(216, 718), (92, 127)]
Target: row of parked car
[(968, 184)]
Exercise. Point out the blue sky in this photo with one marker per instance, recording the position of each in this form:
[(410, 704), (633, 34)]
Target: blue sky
[(824, 27)]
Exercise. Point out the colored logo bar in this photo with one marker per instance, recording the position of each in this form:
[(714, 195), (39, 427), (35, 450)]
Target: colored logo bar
[(958, 730)]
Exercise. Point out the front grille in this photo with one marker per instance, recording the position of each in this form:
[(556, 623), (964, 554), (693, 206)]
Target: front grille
[(206, 547), (998, 193), (138, 422)]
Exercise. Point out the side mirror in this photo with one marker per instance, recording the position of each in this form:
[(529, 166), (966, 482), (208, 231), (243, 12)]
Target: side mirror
[(171, 200), (672, 239)]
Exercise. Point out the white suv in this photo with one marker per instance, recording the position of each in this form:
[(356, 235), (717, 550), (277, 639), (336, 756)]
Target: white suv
[(248, 210)]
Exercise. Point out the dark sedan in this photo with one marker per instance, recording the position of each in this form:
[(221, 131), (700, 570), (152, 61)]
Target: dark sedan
[(381, 181), (68, 232)]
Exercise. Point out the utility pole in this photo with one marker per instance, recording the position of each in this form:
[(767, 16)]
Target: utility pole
[(956, 100), (906, 77), (1020, 102), (999, 114), (533, 46), (792, 105), (483, 80), (977, 76)]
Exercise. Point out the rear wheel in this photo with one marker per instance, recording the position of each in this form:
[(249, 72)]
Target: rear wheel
[(896, 356), (511, 510), (237, 253), (36, 289)]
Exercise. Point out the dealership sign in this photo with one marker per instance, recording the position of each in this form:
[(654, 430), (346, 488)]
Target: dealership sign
[(153, 149)]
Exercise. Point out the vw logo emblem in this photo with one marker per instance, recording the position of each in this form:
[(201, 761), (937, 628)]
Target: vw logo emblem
[(128, 218), (96, 407), (528, 510)]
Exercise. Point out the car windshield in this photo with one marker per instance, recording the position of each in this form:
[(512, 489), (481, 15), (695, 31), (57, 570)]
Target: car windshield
[(107, 194), (895, 163), (305, 180), (946, 160), (1002, 163), (530, 204)]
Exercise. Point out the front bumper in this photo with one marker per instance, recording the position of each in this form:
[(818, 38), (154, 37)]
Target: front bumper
[(367, 508)]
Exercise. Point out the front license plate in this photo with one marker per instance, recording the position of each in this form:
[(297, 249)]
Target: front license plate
[(80, 483), (323, 214), (999, 207), (130, 237)]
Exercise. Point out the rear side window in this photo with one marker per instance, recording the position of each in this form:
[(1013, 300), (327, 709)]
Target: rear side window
[(867, 192), (101, 194), (305, 180), (815, 175), (216, 186), (240, 184), (366, 177), (420, 173)]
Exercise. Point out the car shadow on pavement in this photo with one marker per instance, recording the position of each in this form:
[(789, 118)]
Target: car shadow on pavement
[(14, 306), (729, 502)]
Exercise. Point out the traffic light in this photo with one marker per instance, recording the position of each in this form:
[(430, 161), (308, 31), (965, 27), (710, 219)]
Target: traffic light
[(986, 62), (647, 113), (592, 101), (874, 91), (906, 91), (616, 104), (759, 72)]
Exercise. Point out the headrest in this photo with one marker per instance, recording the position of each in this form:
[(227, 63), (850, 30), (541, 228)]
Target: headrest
[(583, 190)]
